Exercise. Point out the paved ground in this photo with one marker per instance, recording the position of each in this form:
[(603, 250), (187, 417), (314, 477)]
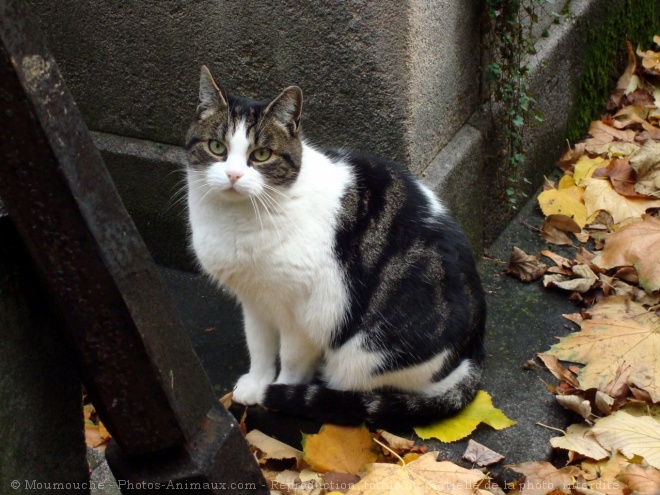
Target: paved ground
[(523, 319)]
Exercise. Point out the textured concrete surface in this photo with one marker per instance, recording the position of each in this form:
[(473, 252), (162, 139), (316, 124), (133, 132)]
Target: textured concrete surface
[(150, 178), (523, 319), (41, 423), (400, 79), (455, 175), (369, 70)]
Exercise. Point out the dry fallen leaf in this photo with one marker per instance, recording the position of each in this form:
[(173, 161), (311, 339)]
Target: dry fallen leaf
[(621, 175), (644, 480), (396, 443), (541, 478), (480, 454), (555, 367), (525, 266), (575, 403), (636, 245), (342, 449), (555, 227), (270, 448), (631, 435), (580, 439), (584, 279), (423, 476), (619, 331), (600, 195), (646, 163), (566, 201)]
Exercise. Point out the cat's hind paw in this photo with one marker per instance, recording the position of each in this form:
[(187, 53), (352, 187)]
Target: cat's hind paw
[(250, 389)]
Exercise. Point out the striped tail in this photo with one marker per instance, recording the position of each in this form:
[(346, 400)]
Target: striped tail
[(382, 409)]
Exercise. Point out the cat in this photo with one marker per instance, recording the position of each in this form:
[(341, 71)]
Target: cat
[(345, 266)]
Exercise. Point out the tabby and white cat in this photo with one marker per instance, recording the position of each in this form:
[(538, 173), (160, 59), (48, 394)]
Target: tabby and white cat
[(345, 266)]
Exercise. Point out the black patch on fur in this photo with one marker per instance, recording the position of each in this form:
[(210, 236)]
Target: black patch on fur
[(415, 292), (391, 410)]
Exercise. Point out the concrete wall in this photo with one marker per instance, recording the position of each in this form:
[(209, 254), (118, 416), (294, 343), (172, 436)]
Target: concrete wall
[(396, 78), (400, 78)]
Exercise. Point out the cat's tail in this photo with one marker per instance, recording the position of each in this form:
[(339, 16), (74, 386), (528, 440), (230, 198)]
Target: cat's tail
[(383, 409)]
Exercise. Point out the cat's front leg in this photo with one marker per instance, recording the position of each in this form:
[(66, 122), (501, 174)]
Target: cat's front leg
[(262, 341), (299, 358)]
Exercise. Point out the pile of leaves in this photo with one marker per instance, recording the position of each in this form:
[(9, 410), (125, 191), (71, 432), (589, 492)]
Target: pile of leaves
[(356, 461), (606, 207)]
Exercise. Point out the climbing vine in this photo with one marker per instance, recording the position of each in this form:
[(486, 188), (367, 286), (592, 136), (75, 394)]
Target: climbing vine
[(510, 34)]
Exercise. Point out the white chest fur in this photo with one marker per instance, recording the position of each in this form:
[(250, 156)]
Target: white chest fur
[(275, 252)]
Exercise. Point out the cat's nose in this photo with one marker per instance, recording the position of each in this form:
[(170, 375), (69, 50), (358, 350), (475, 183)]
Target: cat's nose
[(234, 176)]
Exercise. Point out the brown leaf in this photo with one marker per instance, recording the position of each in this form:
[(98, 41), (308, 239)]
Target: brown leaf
[(646, 163), (226, 400), (555, 367), (635, 245), (584, 280), (555, 226), (424, 475), (619, 331), (543, 477), (271, 449), (576, 403), (525, 266), (604, 134), (340, 482), (557, 259), (644, 480), (618, 387), (621, 175), (630, 115), (480, 454)]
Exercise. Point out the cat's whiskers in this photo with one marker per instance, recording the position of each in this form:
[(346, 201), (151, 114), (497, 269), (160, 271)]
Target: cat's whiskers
[(272, 220), (271, 188), (256, 211), (179, 195)]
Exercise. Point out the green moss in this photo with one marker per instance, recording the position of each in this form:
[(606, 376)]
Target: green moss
[(633, 20)]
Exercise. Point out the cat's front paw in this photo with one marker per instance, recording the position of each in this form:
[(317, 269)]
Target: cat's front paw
[(250, 389)]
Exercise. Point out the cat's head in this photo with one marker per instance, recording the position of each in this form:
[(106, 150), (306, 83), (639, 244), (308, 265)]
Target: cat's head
[(239, 147)]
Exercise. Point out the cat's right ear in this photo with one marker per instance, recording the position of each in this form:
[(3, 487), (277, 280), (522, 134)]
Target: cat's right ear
[(211, 97)]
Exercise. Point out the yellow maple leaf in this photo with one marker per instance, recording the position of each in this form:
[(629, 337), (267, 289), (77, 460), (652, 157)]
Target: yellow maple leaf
[(459, 426), (565, 182), (585, 167), (422, 476), (600, 195), (566, 201), (342, 449), (619, 331)]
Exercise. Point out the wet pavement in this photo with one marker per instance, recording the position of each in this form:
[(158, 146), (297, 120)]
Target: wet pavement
[(523, 319)]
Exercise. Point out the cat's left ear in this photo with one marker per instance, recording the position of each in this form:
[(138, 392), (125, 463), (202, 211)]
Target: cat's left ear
[(287, 108), (211, 97)]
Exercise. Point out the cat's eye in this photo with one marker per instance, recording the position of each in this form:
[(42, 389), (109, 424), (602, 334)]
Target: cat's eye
[(217, 147), (261, 154)]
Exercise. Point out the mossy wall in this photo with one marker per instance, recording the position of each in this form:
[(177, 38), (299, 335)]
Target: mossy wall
[(633, 20)]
